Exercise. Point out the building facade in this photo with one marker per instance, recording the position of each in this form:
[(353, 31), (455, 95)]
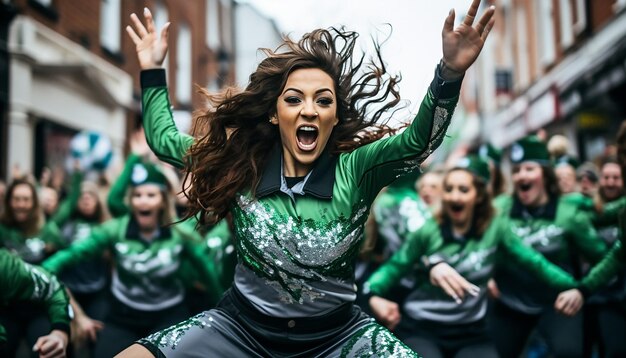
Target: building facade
[(71, 67), (556, 65)]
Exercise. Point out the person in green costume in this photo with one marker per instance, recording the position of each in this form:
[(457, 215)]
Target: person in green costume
[(146, 293), (297, 159), (603, 288), (24, 232), (453, 257), (24, 283), (397, 211), (556, 228)]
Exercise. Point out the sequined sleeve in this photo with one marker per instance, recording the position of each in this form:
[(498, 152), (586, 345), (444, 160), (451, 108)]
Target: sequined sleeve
[(20, 281), (375, 165)]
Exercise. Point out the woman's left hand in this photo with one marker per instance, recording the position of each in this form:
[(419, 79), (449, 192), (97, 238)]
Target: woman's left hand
[(461, 46), (569, 302)]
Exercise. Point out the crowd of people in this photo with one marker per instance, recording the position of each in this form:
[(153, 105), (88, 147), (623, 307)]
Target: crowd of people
[(301, 225)]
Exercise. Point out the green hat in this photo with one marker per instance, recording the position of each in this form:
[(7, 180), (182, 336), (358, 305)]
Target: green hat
[(530, 149), (567, 160), (147, 173), (489, 152), (474, 165)]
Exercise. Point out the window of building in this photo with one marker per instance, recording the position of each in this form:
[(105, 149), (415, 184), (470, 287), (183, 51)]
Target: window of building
[(580, 16), (213, 24), (45, 7), (161, 17), (183, 64), (523, 69), (567, 23), (545, 32), (226, 27), (110, 33)]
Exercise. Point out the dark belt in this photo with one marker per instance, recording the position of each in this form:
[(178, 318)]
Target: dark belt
[(235, 303)]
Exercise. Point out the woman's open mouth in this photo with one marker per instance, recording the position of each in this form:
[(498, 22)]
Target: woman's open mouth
[(306, 137), (144, 212), (524, 187), (456, 208)]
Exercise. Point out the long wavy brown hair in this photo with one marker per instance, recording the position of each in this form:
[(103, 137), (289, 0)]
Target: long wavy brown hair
[(483, 208), (235, 133), (35, 220)]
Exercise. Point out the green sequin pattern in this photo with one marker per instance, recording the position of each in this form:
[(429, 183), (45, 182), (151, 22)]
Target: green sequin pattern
[(374, 340), (170, 337), (290, 251)]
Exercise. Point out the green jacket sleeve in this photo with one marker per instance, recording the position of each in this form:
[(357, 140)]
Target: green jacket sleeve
[(602, 273), (115, 199), (532, 260), (610, 213), (208, 272), (161, 133), (101, 237), (375, 165), (20, 281), (67, 206), (399, 265), (586, 237)]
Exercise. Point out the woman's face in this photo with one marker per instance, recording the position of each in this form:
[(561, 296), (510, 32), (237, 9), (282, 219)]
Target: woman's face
[(529, 184), (306, 112), (87, 204), (459, 197), (566, 176), (22, 202), (429, 188), (147, 202), (611, 181)]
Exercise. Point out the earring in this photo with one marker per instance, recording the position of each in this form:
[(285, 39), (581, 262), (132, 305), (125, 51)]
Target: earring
[(317, 114)]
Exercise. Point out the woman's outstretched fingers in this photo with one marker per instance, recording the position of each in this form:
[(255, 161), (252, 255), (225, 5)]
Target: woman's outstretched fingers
[(448, 25), (149, 21), (141, 30), (485, 20), (471, 13), (133, 36), (485, 33)]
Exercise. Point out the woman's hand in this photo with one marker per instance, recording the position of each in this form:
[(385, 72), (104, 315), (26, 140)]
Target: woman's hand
[(455, 285), (85, 328), (385, 311), (150, 50), (569, 302), (53, 345), (462, 45), (493, 290)]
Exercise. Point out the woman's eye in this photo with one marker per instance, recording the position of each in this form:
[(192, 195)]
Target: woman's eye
[(447, 189), (464, 189), (292, 99), (325, 101)]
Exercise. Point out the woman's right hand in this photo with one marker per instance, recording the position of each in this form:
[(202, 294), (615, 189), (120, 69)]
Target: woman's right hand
[(150, 50), (387, 312), (444, 276)]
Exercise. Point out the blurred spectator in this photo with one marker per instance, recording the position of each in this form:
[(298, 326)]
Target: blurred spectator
[(587, 176), (611, 184)]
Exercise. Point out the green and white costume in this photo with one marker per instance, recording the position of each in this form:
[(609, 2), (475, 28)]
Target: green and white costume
[(20, 282), (297, 246)]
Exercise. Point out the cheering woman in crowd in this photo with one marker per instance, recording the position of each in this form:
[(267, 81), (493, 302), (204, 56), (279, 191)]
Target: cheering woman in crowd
[(455, 256), (294, 158), (556, 228), (146, 292)]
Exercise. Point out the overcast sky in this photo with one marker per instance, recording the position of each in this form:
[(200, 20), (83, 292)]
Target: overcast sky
[(414, 48)]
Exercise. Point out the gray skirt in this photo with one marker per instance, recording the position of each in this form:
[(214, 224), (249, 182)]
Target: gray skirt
[(236, 329)]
